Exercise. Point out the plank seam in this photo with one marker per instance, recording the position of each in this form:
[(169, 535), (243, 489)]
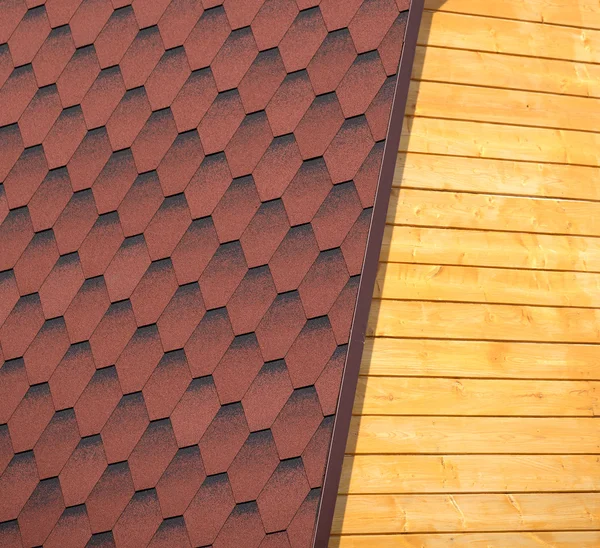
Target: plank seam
[(497, 17)]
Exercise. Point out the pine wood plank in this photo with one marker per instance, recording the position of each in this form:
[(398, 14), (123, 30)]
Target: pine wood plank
[(483, 322), (496, 70), (562, 539), (492, 152), (487, 285), (508, 36), (502, 106), (477, 435), (481, 397), (502, 142), (398, 474), (444, 358), (579, 13), (364, 514), (500, 249), (491, 212), (481, 175)]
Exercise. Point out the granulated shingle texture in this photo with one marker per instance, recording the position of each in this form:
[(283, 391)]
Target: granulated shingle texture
[(186, 193)]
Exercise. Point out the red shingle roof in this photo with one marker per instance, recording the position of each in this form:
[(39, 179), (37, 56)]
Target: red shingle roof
[(186, 189)]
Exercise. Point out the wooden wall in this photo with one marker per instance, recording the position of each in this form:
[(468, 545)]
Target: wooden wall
[(476, 416)]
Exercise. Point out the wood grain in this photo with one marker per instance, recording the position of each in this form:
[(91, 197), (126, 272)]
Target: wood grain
[(504, 142), (497, 249), (490, 212), (399, 474), (487, 285), (476, 412), (579, 13), (481, 175), (476, 33), (447, 358), (363, 514), (483, 322), (477, 397), (478, 435), (562, 539), (496, 70), (502, 106)]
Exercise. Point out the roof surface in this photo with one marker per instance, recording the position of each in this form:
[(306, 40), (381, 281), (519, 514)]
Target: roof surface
[(187, 189)]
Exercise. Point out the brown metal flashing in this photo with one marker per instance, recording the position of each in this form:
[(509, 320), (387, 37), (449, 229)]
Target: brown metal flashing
[(347, 394)]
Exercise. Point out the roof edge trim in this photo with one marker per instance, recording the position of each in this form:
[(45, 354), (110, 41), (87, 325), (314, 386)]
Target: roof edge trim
[(347, 393)]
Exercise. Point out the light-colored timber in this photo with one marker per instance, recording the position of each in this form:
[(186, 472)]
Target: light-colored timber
[(492, 285), (561, 539), (489, 212), (456, 66), (482, 175), (502, 106), (480, 359), (475, 422), (400, 435), (494, 35), (360, 514), (485, 248), (484, 322), (400, 474), (500, 141), (582, 13), (488, 397)]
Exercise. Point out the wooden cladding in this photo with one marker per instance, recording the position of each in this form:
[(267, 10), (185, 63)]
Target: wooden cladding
[(475, 422)]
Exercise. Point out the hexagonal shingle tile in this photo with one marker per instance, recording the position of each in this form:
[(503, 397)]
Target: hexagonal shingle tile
[(187, 193)]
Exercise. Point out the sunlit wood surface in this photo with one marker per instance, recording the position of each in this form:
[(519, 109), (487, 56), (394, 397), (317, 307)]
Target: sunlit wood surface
[(475, 421)]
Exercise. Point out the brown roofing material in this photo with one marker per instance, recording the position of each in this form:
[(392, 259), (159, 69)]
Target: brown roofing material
[(188, 192)]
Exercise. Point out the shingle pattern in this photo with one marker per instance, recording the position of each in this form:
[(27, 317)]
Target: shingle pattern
[(186, 192)]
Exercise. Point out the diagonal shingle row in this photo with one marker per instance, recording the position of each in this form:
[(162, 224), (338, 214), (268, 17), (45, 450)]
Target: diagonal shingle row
[(186, 191)]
